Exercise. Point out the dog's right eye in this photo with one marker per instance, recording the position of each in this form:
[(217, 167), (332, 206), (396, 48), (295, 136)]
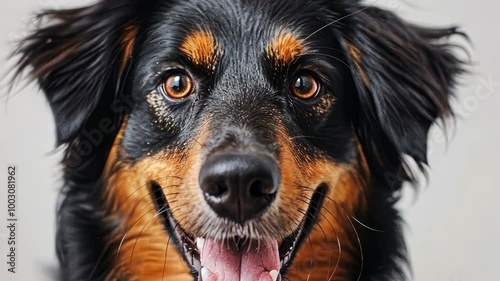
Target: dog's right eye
[(177, 85)]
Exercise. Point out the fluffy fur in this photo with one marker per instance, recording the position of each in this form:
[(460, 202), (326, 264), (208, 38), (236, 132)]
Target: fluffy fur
[(385, 82)]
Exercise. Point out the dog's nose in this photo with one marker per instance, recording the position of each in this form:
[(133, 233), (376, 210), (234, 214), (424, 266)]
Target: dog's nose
[(239, 185)]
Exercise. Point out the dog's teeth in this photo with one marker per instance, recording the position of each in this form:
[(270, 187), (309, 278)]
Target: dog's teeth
[(205, 273), (274, 274), (200, 242)]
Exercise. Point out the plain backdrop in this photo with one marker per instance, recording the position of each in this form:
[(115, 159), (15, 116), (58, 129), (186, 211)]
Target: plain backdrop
[(453, 224)]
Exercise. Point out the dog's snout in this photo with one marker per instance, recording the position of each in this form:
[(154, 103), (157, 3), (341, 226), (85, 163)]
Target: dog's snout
[(239, 185)]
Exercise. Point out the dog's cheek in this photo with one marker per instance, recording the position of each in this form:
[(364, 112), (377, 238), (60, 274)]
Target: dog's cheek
[(292, 199), (333, 241), (303, 171), (145, 251), (185, 198)]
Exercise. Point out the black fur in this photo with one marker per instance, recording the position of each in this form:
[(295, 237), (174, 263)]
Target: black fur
[(411, 73), (77, 60)]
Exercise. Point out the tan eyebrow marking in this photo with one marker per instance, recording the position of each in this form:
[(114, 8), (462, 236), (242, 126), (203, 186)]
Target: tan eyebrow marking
[(201, 48), (285, 47)]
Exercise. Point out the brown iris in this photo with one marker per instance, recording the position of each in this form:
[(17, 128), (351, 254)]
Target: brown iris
[(305, 86), (177, 85)]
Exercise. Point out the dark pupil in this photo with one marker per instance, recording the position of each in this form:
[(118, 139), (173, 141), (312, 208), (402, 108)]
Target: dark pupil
[(177, 83), (303, 84)]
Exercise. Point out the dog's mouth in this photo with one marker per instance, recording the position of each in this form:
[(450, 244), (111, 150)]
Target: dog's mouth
[(212, 260)]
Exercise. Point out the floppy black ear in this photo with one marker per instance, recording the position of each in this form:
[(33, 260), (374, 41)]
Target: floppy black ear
[(77, 56), (404, 76)]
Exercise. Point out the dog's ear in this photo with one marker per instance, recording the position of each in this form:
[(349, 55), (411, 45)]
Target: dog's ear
[(77, 57), (403, 75)]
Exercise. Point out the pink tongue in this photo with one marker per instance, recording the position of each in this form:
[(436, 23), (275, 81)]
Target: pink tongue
[(252, 262)]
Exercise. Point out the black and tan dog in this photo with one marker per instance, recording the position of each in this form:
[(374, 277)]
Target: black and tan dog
[(237, 140)]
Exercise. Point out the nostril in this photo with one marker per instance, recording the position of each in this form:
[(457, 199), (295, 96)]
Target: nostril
[(216, 187), (219, 188), (262, 189)]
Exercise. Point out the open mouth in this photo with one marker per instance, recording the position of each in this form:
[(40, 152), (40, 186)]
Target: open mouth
[(263, 260)]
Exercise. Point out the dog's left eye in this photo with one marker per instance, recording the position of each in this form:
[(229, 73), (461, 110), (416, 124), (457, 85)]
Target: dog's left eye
[(177, 85), (305, 86)]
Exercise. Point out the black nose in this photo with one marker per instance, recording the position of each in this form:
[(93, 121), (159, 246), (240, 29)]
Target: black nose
[(239, 185)]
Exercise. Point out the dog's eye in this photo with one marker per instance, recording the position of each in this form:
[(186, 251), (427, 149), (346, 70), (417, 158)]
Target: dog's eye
[(305, 86), (177, 85)]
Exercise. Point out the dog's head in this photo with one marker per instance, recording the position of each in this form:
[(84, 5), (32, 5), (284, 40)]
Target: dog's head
[(246, 133)]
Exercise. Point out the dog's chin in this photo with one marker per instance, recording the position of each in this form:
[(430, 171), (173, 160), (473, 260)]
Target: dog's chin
[(264, 259)]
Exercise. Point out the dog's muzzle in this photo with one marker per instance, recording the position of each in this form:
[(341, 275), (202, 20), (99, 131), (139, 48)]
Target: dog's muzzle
[(239, 185)]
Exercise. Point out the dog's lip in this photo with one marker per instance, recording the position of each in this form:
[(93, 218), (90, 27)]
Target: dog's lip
[(187, 244)]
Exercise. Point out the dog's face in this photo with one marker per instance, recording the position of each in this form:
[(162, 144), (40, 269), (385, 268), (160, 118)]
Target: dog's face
[(249, 134), (238, 125)]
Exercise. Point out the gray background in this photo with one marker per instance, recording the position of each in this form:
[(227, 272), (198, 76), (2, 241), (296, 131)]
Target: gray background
[(453, 223)]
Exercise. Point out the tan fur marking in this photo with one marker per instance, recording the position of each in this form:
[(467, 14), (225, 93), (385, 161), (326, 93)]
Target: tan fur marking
[(285, 47), (186, 198), (320, 253), (363, 164), (201, 48), (143, 250), (127, 43), (357, 59)]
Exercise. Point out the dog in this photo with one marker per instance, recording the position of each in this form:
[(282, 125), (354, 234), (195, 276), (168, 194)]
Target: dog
[(237, 139)]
